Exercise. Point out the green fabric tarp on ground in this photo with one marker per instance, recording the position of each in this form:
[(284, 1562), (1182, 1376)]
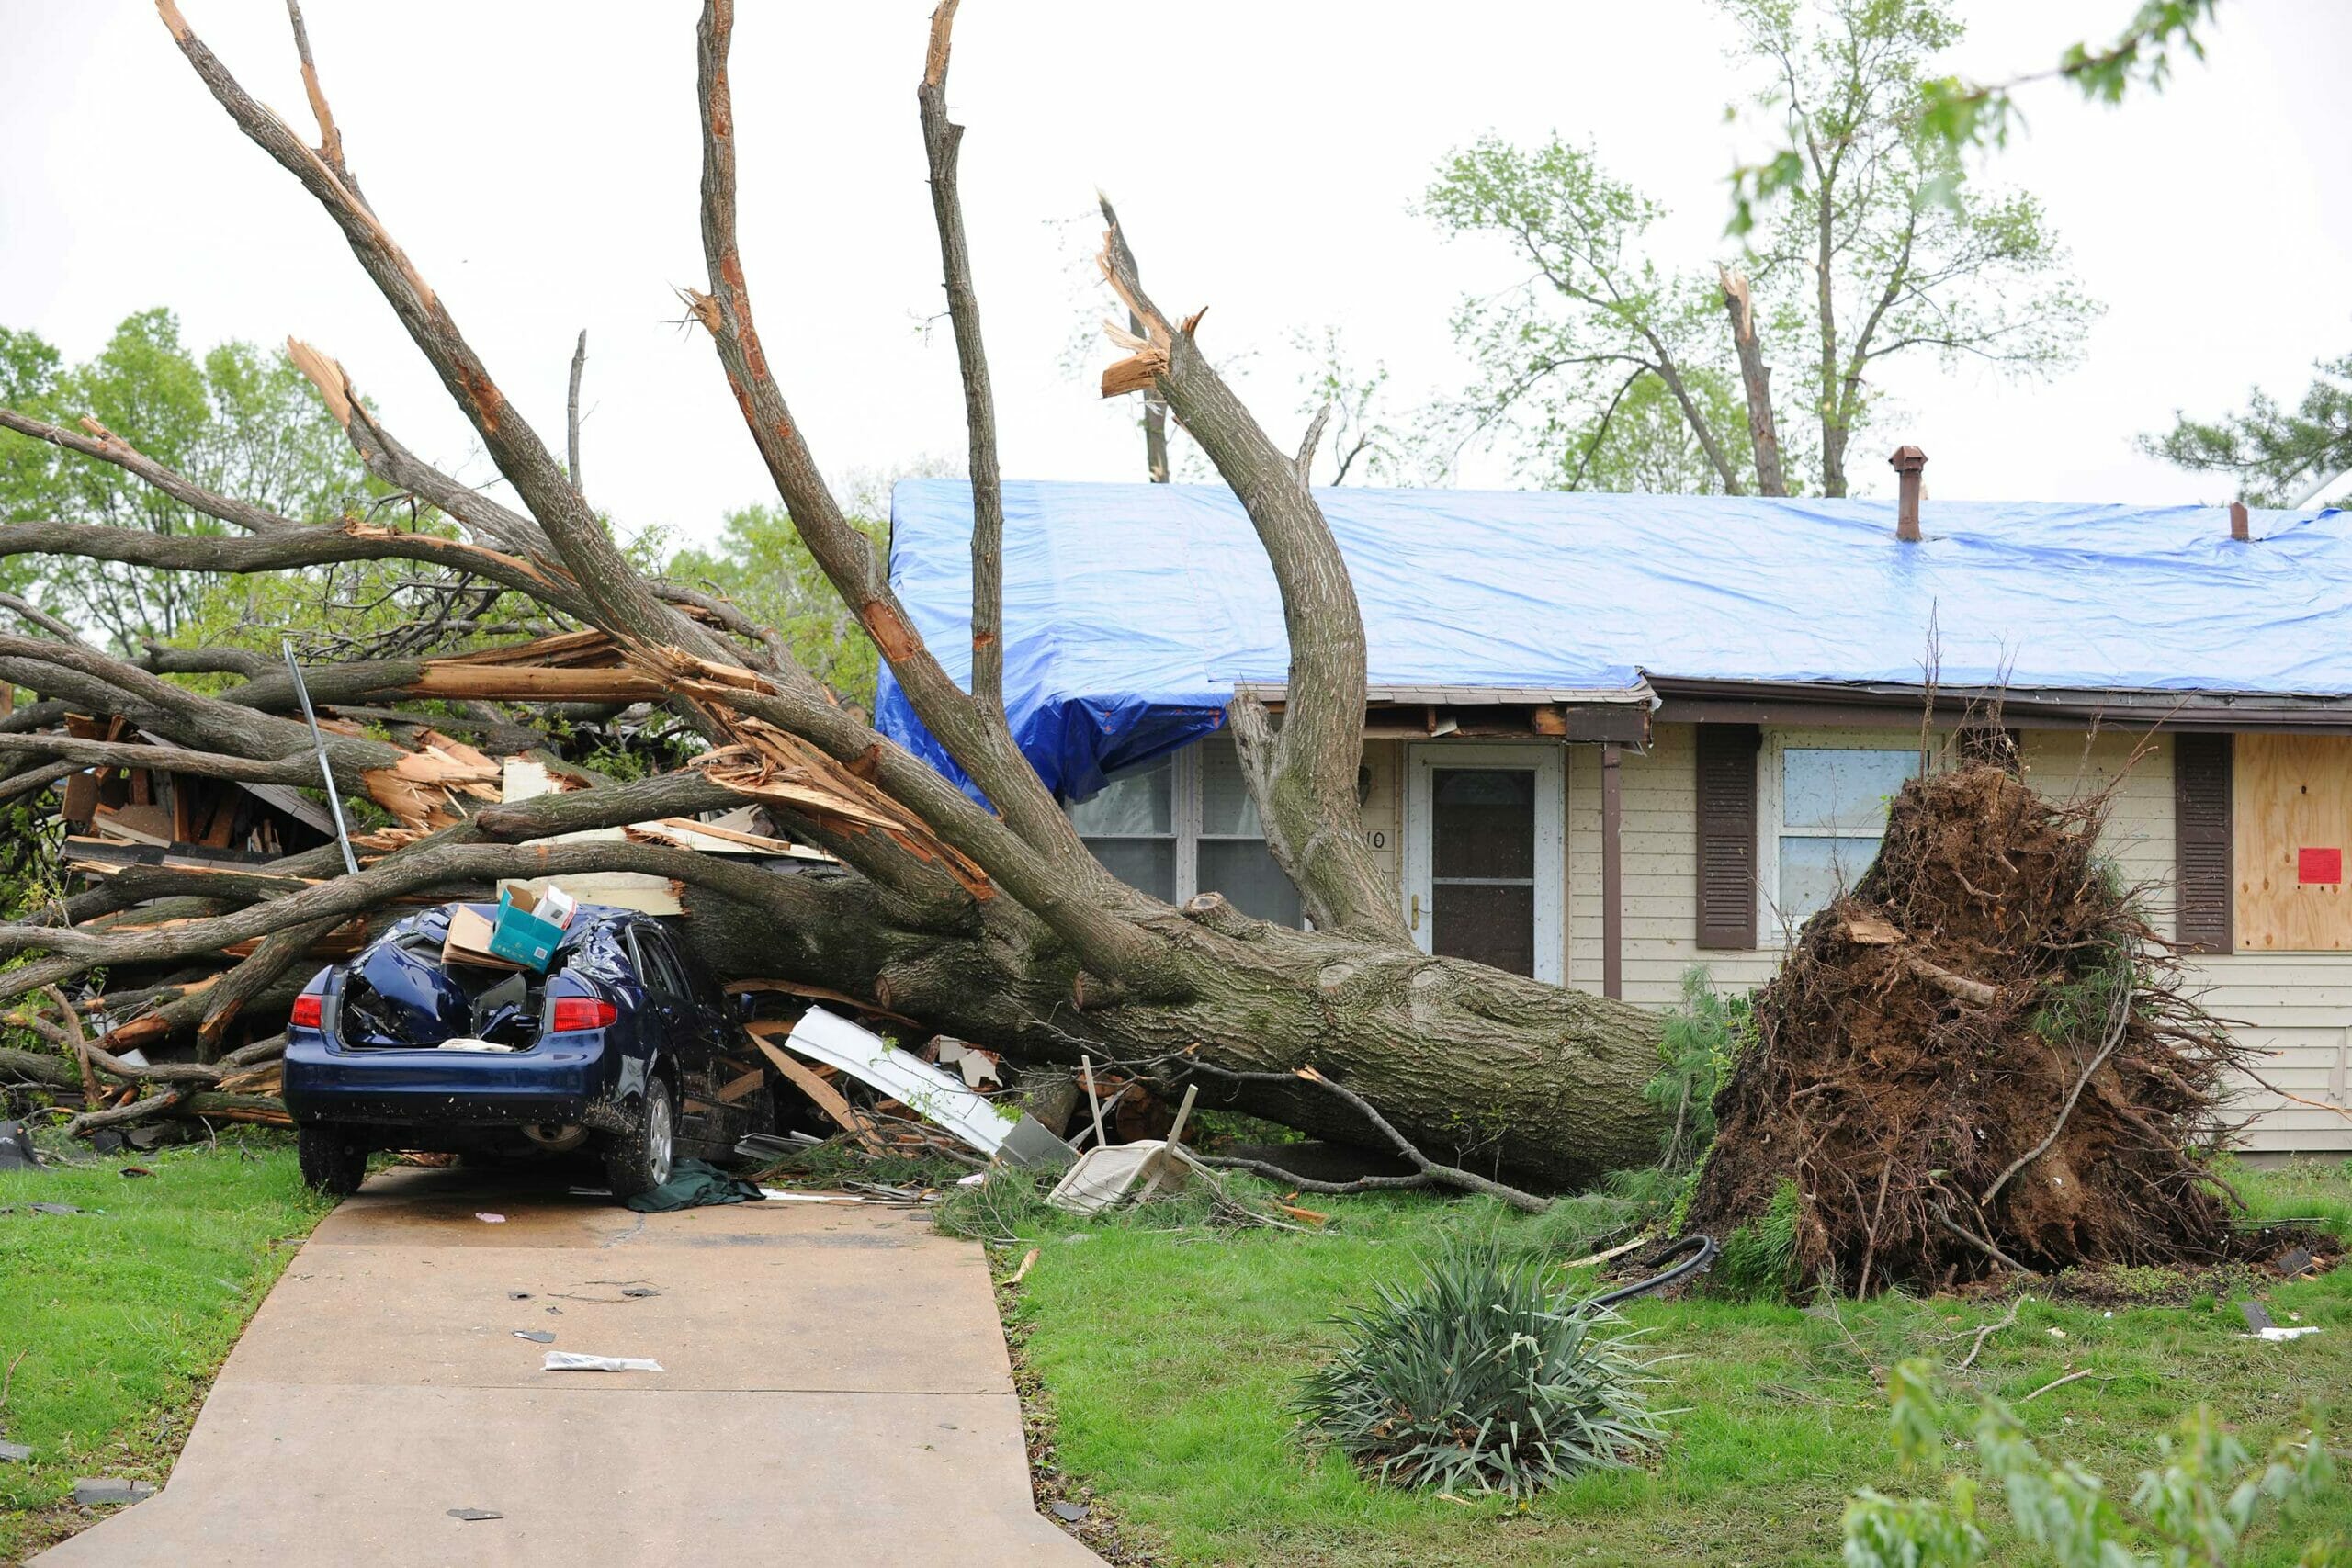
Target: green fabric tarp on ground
[(692, 1185)]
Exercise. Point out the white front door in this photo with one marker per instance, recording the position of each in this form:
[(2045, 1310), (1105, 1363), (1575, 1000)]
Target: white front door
[(1485, 854)]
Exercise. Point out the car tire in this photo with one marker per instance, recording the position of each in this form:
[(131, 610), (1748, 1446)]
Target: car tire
[(332, 1158), (641, 1158)]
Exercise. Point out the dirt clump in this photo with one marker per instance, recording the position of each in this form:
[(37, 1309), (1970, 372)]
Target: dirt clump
[(1978, 1059)]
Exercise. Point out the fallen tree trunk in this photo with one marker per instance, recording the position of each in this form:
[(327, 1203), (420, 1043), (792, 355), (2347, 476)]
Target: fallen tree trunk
[(1487, 1070), (993, 922)]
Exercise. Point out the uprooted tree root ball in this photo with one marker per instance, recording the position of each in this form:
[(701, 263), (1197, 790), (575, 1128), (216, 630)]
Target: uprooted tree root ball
[(1980, 1059)]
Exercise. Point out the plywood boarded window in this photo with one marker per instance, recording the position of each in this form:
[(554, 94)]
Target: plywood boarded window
[(1726, 790), (2292, 815)]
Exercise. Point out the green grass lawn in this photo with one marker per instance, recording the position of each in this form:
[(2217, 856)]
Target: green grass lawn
[(115, 1319), (1170, 1359)]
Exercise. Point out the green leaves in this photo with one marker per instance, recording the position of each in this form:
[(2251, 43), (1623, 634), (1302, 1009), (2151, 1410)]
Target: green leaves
[(2276, 453), (239, 422), (2196, 1506), (1477, 1378), (763, 566)]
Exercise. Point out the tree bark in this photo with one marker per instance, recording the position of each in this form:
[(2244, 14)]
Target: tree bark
[(1756, 378)]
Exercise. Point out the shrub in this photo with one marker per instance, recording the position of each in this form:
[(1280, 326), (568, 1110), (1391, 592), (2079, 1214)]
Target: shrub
[(1702, 1040), (2197, 1507), (1478, 1377)]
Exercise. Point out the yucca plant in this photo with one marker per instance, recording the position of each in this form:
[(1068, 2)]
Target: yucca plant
[(1476, 1377)]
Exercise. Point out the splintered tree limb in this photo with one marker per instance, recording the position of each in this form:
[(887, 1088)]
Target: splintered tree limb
[(571, 414), (941, 139), (394, 464), (1312, 822), (156, 704), (981, 745), (621, 598), (1756, 378)]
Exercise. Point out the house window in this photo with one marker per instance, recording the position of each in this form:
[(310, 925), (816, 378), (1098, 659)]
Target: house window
[(1184, 825), (1826, 819)]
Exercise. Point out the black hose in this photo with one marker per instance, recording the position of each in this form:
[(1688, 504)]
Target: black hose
[(1705, 1248)]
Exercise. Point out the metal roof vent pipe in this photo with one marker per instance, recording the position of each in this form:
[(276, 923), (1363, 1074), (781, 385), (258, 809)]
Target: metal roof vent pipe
[(1907, 461), (2238, 529)]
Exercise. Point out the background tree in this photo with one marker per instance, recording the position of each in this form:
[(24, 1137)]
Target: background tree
[(2279, 456), (1870, 248), (763, 566), (238, 421)]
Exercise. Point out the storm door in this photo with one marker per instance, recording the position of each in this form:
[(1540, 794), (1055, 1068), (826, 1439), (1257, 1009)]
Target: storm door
[(1484, 861)]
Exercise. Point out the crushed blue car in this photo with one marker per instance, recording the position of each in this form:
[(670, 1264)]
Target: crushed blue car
[(624, 1046)]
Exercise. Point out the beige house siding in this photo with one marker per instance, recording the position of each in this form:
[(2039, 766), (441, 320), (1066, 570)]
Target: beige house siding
[(2295, 1007)]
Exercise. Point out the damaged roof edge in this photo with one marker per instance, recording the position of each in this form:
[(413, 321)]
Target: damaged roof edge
[(1693, 700)]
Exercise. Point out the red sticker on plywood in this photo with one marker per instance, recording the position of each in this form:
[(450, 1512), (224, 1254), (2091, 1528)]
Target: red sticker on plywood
[(2319, 866)]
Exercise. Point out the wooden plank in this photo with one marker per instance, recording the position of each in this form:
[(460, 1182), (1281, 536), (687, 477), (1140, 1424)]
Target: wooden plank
[(827, 1098), (2291, 813), (743, 1087)]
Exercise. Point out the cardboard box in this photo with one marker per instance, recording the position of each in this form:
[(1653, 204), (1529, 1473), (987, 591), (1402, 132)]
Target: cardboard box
[(523, 933), (468, 942)]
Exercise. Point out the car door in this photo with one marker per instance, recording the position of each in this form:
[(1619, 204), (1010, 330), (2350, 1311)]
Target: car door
[(673, 1031)]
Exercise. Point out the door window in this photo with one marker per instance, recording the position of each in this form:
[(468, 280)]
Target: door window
[(657, 968), (1486, 855), (1482, 865)]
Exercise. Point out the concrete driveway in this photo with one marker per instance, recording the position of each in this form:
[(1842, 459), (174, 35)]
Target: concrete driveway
[(835, 1390)]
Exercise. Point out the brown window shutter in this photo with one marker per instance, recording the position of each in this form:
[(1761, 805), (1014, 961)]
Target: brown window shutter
[(2202, 848), (1728, 834)]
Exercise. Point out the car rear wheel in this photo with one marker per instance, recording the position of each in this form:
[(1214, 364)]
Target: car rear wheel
[(332, 1158), (639, 1159)]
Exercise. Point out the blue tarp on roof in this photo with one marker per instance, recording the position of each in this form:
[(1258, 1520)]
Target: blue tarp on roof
[(1132, 610)]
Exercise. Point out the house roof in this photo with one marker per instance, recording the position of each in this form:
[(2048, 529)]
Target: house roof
[(1132, 611)]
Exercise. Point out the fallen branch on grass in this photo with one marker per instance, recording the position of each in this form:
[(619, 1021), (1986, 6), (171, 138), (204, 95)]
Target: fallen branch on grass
[(1427, 1171)]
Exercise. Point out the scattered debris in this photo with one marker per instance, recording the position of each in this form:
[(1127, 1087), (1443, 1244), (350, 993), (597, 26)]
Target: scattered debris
[(1016, 1138), (473, 1515), (15, 1454), (573, 1361), (1105, 1177), (638, 1291), (518, 1295), (2257, 1316), (695, 1184), (136, 1170), (778, 1195), (1067, 1512), (536, 1336), (981, 1069), (17, 1150), (52, 1209), (107, 1491), (2293, 1263), (492, 1218), (2060, 1383), (1027, 1263)]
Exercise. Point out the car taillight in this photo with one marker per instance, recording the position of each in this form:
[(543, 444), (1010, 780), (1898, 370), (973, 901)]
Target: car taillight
[(574, 1013), (310, 1011)]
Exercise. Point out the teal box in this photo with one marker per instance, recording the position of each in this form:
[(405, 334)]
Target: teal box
[(521, 937)]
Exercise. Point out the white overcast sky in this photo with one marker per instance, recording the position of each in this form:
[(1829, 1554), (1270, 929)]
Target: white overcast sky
[(538, 161)]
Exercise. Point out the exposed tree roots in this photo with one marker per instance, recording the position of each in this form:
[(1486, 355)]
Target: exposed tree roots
[(1979, 1060)]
